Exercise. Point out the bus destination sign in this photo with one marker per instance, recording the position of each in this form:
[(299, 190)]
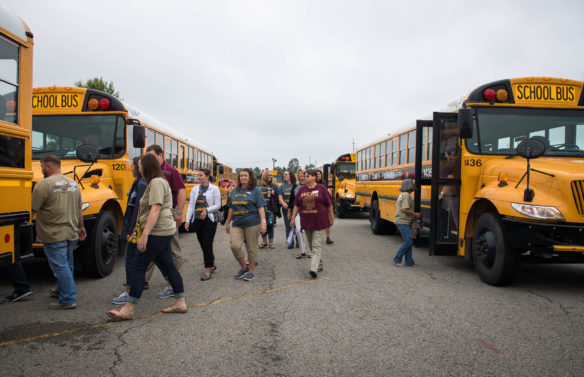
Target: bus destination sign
[(531, 93), (58, 102)]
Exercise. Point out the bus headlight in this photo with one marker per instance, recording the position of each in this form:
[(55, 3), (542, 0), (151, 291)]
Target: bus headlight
[(347, 196), (538, 212), (84, 206)]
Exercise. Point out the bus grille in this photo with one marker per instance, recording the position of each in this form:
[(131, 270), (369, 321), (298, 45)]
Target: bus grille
[(578, 192)]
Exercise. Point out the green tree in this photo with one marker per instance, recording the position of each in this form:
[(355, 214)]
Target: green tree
[(293, 165), (257, 171), (309, 166), (98, 83)]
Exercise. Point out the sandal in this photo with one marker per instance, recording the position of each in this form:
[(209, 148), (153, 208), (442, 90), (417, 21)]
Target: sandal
[(263, 246), (213, 269), (175, 309), (272, 247), (299, 256), (119, 315)]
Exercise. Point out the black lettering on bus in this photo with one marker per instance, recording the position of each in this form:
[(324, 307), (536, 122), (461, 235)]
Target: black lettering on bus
[(571, 93), (519, 91), (75, 100)]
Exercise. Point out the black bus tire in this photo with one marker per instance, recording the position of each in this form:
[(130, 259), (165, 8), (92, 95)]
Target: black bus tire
[(99, 252), (377, 224), (494, 259), (340, 209)]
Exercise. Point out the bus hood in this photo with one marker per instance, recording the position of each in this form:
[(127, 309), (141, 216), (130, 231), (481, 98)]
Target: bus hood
[(67, 166), (555, 183)]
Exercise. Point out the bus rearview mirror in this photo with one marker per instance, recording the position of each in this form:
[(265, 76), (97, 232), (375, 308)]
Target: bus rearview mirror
[(139, 136), (464, 123)]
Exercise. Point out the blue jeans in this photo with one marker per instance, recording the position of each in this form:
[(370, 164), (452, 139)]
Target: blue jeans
[(131, 253), (17, 277), (269, 232), (286, 222), (159, 251), (60, 256), (406, 247)]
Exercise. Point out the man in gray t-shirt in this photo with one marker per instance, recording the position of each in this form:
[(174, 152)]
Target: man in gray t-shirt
[(56, 201)]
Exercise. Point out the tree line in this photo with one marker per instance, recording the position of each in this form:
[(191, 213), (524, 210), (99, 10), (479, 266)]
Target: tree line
[(293, 166)]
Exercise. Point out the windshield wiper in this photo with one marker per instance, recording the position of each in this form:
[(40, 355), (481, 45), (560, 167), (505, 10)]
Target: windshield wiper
[(44, 151)]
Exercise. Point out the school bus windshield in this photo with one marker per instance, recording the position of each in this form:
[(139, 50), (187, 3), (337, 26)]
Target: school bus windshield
[(501, 130), (61, 135), (345, 169)]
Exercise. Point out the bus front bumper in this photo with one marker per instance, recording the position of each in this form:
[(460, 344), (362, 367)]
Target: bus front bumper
[(544, 238)]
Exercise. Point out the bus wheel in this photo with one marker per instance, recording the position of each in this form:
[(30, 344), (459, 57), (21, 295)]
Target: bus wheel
[(494, 259), (99, 254), (377, 225), (340, 209), (390, 228)]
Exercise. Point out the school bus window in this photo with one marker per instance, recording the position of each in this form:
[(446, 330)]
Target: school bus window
[(52, 135), (375, 149), (394, 151), (411, 146), (388, 154), (382, 155), (181, 157), (174, 153), (167, 150), (9, 53), (402, 148), (557, 135), (150, 136)]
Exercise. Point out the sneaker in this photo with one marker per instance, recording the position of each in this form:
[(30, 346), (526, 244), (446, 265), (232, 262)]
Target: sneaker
[(248, 276), (205, 277), (166, 293), (290, 247), (314, 274), (398, 264), (329, 241), (241, 273), (18, 296), (56, 305), (121, 299), (54, 293)]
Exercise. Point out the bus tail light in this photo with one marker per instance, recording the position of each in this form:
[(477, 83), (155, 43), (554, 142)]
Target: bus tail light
[(489, 95), (503, 177)]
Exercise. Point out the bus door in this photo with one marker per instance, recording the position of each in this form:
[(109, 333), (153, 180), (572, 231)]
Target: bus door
[(422, 174), (445, 180), (328, 177)]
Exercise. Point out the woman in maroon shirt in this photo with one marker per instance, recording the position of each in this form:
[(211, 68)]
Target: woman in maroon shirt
[(315, 205)]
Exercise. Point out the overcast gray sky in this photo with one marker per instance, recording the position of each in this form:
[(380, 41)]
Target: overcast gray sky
[(256, 80)]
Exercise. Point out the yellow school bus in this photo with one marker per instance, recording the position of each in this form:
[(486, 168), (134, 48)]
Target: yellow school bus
[(224, 178), (499, 175), (340, 178), (65, 118), (278, 177), (16, 45)]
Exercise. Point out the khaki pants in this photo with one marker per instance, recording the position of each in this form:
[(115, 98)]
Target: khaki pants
[(315, 239), (176, 256), (249, 235)]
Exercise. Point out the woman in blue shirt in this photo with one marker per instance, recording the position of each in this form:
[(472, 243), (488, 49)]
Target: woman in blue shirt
[(246, 210)]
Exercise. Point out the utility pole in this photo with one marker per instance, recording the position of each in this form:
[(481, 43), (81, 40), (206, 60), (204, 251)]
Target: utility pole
[(274, 163), (353, 145)]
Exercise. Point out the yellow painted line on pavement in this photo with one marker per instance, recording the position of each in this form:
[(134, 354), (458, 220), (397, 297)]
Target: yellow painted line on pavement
[(194, 306)]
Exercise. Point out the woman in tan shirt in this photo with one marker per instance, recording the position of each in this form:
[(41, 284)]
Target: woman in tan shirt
[(404, 214), (156, 219)]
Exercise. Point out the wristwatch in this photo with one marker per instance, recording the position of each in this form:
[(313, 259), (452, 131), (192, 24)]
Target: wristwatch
[(179, 212)]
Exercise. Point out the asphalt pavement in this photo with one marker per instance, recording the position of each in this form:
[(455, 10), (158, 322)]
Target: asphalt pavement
[(362, 316)]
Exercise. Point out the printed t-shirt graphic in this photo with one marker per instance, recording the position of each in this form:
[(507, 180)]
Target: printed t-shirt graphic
[(313, 205), (245, 204)]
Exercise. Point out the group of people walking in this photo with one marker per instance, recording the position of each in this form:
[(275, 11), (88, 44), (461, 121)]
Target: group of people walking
[(153, 216)]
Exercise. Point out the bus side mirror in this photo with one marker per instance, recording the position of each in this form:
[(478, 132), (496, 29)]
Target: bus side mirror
[(87, 153), (464, 123), (139, 136)]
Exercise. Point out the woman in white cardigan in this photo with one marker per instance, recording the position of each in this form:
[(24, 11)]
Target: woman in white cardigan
[(204, 204)]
